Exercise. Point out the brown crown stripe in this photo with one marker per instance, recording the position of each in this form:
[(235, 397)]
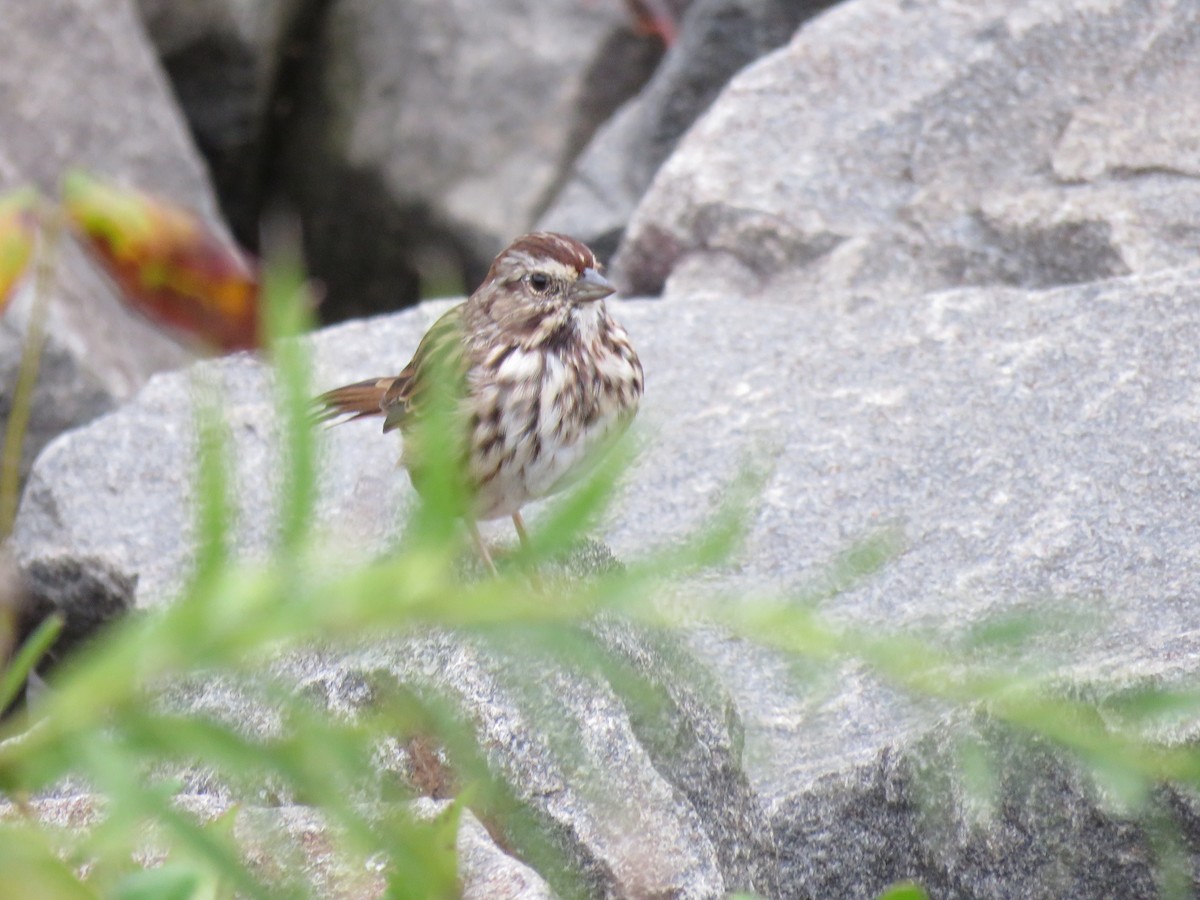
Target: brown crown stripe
[(559, 247)]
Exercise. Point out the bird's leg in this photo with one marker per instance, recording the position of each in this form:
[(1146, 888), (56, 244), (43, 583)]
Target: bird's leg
[(481, 547), (534, 577), (521, 532)]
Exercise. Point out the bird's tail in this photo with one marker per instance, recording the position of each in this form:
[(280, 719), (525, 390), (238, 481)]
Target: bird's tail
[(356, 401)]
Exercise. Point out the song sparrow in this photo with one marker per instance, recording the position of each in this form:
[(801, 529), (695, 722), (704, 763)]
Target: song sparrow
[(543, 377)]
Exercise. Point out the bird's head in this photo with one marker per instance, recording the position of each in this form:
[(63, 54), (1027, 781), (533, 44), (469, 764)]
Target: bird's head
[(548, 271)]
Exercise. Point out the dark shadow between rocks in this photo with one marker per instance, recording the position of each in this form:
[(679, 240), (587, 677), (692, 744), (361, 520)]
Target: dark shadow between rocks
[(88, 593)]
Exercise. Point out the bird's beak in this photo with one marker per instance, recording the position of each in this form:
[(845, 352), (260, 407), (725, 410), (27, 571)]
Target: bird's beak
[(591, 286)]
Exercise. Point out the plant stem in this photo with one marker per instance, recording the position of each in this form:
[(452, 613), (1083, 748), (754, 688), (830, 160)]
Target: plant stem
[(31, 355)]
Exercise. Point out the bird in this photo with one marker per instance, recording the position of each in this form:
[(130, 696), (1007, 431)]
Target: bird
[(540, 380)]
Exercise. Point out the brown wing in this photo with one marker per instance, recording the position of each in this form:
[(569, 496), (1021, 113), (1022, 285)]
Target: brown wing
[(397, 396)]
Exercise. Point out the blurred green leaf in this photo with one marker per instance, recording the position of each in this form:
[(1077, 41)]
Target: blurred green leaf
[(906, 890), (424, 862), (214, 508), (169, 882), (30, 867), (13, 678), (981, 782), (20, 224), (18, 236), (289, 306)]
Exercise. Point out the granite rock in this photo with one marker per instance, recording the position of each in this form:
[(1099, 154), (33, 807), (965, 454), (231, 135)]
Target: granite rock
[(1034, 452), (949, 304), (302, 836), (640, 797), (908, 147), (716, 39)]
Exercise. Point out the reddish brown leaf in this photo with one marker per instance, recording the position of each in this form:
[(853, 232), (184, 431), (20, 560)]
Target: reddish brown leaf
[(658, 17), (170, 266)]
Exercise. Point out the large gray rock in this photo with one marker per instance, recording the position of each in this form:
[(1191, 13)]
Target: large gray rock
[(1038, 453), (428, 134), (1046, 833), (716, 39), (640, 799), (916, 146), (487, 871), (576, 755), (1033, 453), (300, 835), (97, 352), (65, 395), (80, 87), (69, 72)]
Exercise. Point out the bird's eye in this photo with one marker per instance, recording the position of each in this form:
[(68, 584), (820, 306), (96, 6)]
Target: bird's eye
[(539, 281)]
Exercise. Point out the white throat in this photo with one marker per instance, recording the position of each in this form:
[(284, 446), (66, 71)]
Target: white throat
[(587, 318)]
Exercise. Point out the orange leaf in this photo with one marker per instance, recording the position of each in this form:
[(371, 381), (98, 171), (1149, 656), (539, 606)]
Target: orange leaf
[(170, 266), (18, 232)]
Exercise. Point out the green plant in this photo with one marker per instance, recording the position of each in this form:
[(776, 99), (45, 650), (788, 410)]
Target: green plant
[(102, 724)]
